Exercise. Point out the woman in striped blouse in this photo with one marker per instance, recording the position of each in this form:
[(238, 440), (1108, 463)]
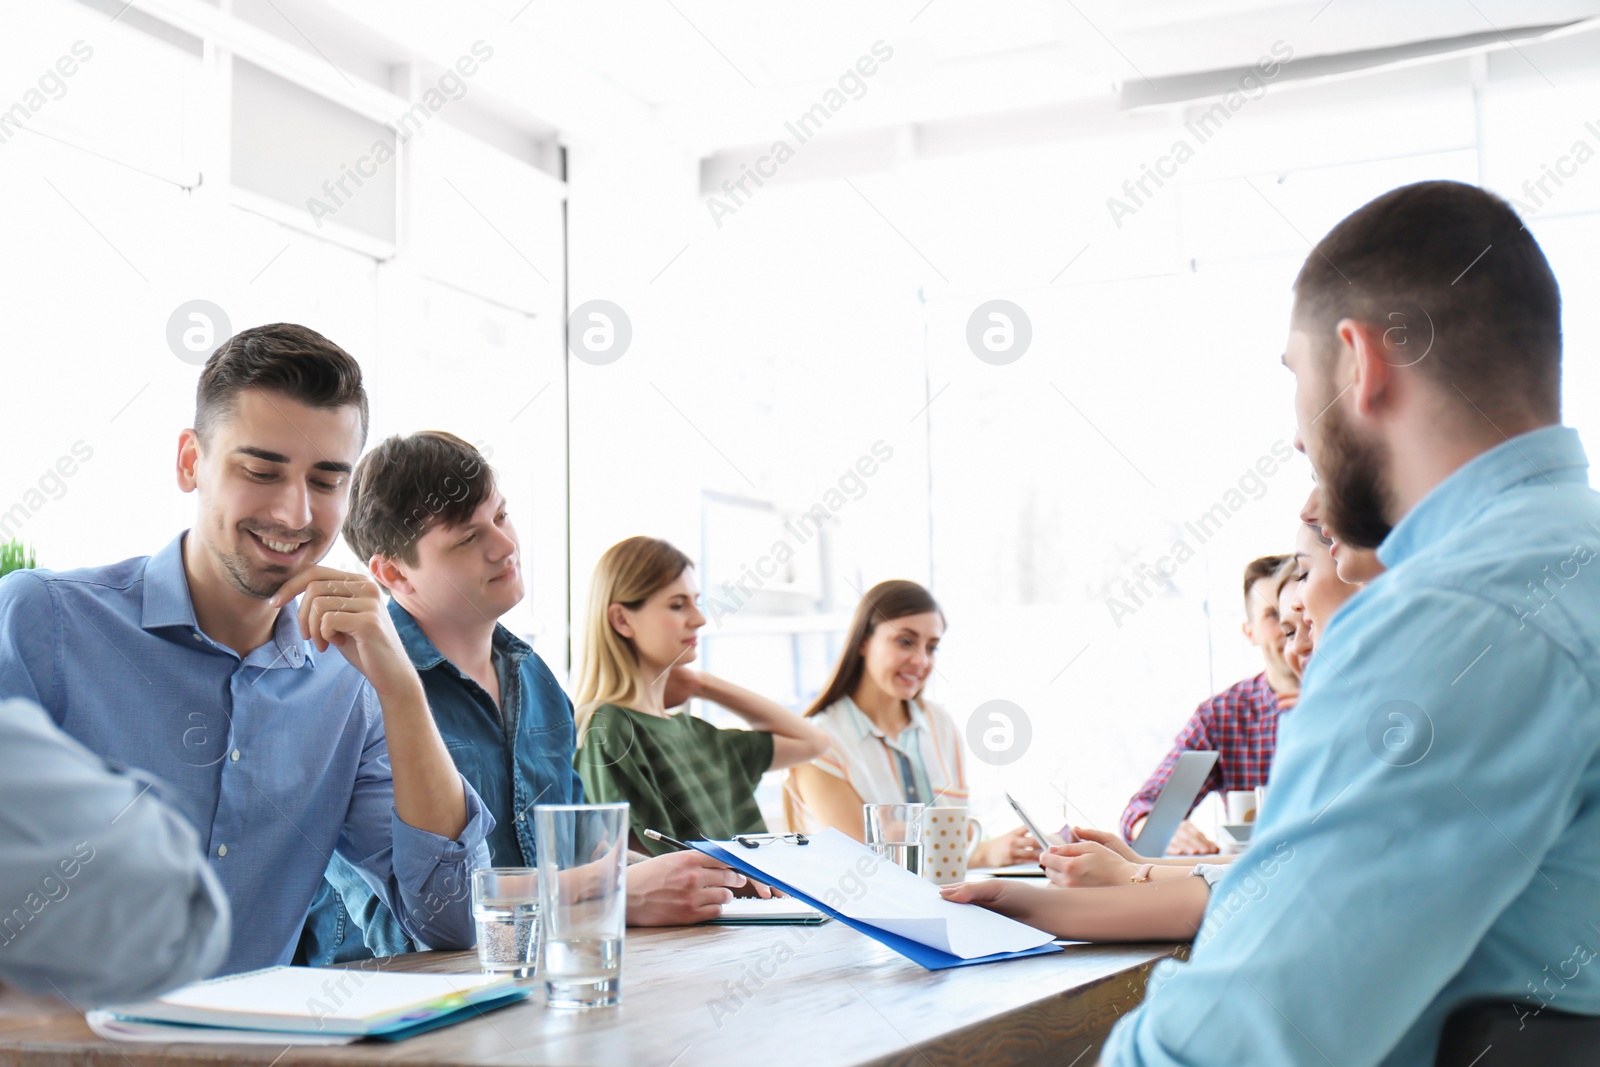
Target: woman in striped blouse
[(889, 746)]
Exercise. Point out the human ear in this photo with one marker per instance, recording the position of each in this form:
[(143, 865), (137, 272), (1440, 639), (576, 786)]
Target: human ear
[(1366, 369), (617, 616), (188, 461), (389, 575)]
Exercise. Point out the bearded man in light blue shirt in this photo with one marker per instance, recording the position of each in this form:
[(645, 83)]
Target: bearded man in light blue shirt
[(271, 696), (1435, 803)]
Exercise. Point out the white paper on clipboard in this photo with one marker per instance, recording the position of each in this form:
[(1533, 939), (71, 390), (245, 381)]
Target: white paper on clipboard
[(848, 877)]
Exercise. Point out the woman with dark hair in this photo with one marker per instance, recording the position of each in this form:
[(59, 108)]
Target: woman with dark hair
[(889, 746)]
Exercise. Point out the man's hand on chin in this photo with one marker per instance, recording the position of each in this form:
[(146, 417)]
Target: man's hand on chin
[(345, 610)]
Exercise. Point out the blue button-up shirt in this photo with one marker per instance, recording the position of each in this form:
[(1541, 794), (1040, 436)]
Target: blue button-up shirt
[(108, 894), (516, 756), (277, 758), (1432, 831)]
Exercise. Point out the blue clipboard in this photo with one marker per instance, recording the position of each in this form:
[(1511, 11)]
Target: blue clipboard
[(932, 958)]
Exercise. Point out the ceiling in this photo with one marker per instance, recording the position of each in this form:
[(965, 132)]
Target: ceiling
[(719, 73)]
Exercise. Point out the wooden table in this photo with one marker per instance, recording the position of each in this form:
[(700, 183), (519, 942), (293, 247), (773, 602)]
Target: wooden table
[(746, 995)]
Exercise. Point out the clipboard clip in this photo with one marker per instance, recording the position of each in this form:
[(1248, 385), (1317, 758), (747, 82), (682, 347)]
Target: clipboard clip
[(757, 840)]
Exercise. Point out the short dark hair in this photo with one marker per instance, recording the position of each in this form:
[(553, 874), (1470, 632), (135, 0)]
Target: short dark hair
[(406, 486), (1257, 569), (282, 357), (1455, 256)]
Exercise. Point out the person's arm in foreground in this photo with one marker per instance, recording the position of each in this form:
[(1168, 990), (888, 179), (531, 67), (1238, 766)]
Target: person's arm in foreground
[(414, 827), (1102, 859), (1385, 758), (110, 896), (1169, 910)]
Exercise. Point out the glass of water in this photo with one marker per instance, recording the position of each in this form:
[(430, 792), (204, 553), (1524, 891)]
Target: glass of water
[(894, 832), (505, 905), (583, 858)]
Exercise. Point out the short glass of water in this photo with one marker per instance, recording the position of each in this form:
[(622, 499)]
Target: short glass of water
[(583, 858), (505, 905), (894, 832)]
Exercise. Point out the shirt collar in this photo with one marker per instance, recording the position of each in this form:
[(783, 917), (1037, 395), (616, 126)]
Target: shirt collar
[(864, 723), (1551, 453), (425, 655), (166, 589), (167, 602)]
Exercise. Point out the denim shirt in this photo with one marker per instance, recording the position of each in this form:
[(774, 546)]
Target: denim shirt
[(513, 763)]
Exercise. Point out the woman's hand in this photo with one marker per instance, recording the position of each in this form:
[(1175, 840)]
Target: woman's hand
[(1013, 847), (1112, 841), (1004, 895), (683, 684), (1084, 864)]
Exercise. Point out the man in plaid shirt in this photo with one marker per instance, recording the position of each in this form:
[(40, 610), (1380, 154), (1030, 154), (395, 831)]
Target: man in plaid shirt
[(1241, 722)]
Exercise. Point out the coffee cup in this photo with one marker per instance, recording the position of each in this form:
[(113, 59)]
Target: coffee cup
[(1242, 805), (947, 837)]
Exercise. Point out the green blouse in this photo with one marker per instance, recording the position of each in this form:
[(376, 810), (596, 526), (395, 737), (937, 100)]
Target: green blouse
[(679, 774)]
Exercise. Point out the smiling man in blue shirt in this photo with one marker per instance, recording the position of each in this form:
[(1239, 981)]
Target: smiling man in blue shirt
[(1436, 795), (284, 730), (428, 514)]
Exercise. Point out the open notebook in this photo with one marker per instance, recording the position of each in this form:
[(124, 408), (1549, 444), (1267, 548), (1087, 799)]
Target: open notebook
[(888, 903), (312, 1005), (774, 911)]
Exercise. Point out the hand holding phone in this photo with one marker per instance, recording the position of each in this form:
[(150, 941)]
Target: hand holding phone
[(1040, 834)]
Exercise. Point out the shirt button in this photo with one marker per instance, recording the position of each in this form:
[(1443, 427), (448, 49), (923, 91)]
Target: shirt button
[(222, 850), (236, 755), (522, 816), (197, 635)]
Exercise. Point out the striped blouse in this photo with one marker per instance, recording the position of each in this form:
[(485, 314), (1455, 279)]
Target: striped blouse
[(923, 764)]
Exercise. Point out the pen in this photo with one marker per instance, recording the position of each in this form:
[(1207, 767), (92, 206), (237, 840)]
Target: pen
[(656, 835)]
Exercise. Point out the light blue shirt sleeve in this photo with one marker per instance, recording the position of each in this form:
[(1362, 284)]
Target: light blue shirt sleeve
[(423, 878), (109, 896), (1412, 803), (29, 652)]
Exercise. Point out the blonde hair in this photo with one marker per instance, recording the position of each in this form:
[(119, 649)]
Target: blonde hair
[(608, 668)]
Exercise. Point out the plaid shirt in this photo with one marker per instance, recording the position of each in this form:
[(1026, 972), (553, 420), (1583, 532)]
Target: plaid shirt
[(1240, 722)]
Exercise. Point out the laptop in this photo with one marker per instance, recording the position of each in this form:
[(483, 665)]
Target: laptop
[(1174, 803)]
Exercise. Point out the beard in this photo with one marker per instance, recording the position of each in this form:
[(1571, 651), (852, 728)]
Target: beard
[(1353, 476), (254, 579)]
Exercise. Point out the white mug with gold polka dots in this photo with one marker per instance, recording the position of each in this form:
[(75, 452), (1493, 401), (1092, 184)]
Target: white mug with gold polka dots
[(947, 836)]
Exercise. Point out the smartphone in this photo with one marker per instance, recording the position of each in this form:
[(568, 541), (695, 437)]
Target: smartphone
[(1040, 834)]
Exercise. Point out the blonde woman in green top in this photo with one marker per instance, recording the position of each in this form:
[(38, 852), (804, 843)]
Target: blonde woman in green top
[(679, 774)]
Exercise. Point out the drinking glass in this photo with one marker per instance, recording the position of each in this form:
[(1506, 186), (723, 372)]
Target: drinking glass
[(505, 905), (583, 856), (894, 833)]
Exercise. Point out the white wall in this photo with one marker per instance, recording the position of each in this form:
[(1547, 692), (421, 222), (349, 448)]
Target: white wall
[(773, 351), (120, 211), (794, 333)]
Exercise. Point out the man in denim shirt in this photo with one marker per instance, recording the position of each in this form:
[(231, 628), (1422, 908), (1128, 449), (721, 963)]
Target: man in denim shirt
[(427, 515)]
